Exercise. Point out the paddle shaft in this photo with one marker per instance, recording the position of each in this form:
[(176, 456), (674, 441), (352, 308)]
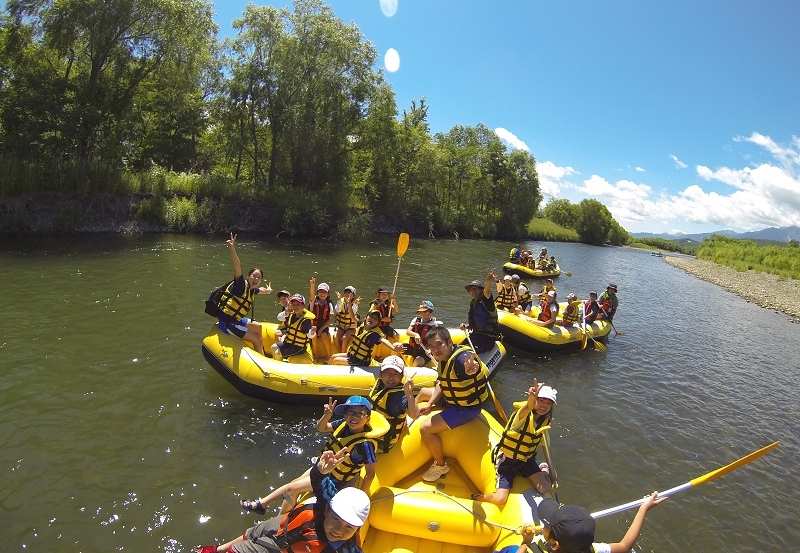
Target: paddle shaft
[(498, 407), (402, 247), (691, 483), (616, 332), (554, 485)]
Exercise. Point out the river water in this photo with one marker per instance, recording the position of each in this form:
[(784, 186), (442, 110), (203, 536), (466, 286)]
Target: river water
[(116, 435)]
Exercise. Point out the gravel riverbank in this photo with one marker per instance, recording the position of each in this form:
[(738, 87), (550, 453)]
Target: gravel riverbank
[(766, 290)]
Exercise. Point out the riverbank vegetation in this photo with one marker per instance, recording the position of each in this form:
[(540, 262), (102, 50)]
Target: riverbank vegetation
[(746, 255), (688, 247), (104, 98)]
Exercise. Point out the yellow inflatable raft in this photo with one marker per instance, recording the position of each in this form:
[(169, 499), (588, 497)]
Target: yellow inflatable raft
[(518, 331), (409, 515), (524, 271), (300, 380)]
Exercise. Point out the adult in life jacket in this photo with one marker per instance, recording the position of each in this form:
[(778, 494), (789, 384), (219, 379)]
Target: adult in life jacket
[(366, 337), (552, 265), (346, 311), (482, 314), (322, 308), (295, 332), (388, 307), (515, 453), (549, 313), (237, 299), (514, 254), (590, 308), (506, 294), (394, 400), (461, 388), (327, 523), (572, 312), (524, 298), (416, 331), (358, 431), (567, 528), (609, 302)]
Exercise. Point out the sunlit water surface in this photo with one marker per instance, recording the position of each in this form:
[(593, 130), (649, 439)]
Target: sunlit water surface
[(116, 435)]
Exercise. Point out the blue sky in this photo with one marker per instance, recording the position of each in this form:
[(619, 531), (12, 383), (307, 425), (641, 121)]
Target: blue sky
[(679, 116)]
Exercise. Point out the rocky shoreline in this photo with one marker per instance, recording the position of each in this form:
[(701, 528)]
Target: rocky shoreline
[(768, 291)]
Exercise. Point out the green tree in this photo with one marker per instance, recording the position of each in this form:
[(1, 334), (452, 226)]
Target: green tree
[(617, 235), (562, 212), (594, 223), (84, 62)]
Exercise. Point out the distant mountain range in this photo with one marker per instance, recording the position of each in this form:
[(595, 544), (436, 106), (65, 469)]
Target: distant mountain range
[(783, 234)]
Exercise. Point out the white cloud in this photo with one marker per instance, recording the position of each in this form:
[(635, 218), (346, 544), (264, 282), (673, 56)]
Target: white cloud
[(640, 169), (678, 163), (749, 198), (511, 139), (552, 178)]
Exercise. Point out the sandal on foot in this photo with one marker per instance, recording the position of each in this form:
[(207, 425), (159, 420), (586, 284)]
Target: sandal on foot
[(254, 506)]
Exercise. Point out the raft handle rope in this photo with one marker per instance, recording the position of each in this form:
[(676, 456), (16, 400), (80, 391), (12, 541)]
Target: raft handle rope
[(516, 530)]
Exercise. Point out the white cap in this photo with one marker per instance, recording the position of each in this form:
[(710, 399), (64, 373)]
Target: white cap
[(393, 362), (507, 277), (552, 293), (351, 505), (547, 392), (324, 286)]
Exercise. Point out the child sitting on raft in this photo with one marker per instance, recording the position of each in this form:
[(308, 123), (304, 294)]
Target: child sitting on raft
[(394, 400), (515, 453), (358, 430), (366, 337)]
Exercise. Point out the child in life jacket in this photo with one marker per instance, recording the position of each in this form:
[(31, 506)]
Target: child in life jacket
[(358, 431), (330, 523), (322, 308), (295, 331), (346, 311), (386, 303), (394, 400), (417, 331), (366, 337), (515, 453)]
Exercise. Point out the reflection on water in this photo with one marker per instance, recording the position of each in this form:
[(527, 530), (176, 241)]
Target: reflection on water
[(115, 434)]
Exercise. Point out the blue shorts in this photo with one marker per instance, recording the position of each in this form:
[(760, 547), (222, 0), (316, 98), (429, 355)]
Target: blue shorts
[(454, 416), (233, 327), (507, 469)]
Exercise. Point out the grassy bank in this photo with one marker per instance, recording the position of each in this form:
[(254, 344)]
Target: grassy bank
[(746, 255)]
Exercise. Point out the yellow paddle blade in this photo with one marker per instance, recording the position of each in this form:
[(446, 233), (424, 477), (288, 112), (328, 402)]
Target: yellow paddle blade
[(584, 340), (568, 274), (733, 466), (402, 244), (599, 345)]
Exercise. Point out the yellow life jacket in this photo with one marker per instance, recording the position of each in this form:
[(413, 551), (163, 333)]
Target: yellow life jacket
[(379, 396), (237, 306), (526, 297), (576, 312), (358, 347), (344, 319), (374, 429), (521, 444), (292, 329), (506, 298), (468, 392)]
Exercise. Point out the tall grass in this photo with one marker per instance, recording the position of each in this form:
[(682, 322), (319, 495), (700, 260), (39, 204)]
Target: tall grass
[(746, 255), (545, 230), (84, 178)]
